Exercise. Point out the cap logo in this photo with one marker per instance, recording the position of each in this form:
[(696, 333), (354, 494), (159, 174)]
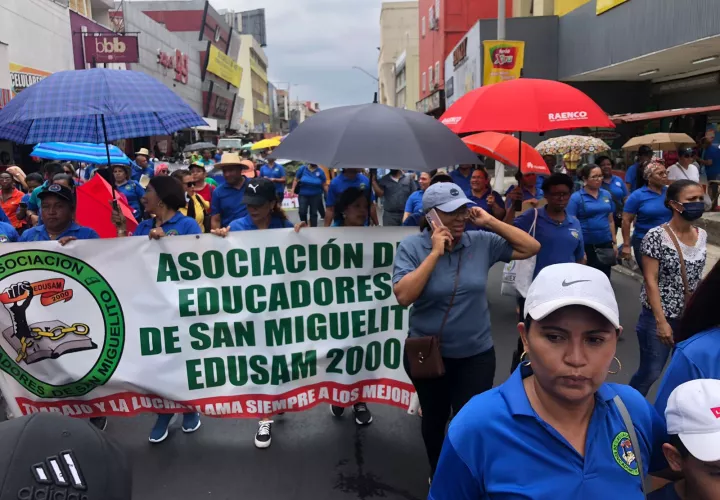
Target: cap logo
[(253, 187), (454, 192), (56, 477), (54, 188), (716, 412), (570, 283)]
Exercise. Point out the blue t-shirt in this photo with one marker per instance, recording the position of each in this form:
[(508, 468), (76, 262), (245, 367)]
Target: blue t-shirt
[(462, 181), (414, 202), (310, 182), (561, 242), (482, 202), (274, 172), (498, 447), (649, 209), (137, 172), (178, 225), (8, 233), (631, 176), (133, 191), (341, 183), (694, 358), (593, 215), (246, 224), (667, 492), (527, 195), (227, 202), (39, 233), (712, 153), (467, 330), (616, 187)]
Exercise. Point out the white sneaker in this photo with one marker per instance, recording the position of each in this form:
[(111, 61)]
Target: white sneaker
[(263, 437)]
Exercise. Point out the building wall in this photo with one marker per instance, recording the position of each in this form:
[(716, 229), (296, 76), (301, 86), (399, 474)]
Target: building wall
[(631, 30), (398, 33), (563, 7), (245, 90)]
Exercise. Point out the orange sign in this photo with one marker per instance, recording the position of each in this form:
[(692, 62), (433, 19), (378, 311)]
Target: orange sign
[(21, 77), (503, 60)]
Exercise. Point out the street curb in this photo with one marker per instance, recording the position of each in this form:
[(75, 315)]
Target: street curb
[(620, 269)]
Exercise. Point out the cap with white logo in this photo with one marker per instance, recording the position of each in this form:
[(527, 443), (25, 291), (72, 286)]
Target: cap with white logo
[(693, 414), (259, 191), (444, 196), (563, 285)]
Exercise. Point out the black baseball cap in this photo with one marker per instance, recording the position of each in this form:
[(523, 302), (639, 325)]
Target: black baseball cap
[(686, 152), (259, 191), (58, 190), (48, 455), (645, 151)]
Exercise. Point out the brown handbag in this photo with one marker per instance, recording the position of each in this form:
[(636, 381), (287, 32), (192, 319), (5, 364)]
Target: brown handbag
[(424, 353)]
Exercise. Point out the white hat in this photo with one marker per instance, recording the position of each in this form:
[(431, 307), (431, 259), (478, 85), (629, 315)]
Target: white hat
[(693, 414), (563, 285)]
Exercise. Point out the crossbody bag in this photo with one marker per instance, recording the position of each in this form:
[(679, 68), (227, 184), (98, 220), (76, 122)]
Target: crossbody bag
[(627, 420), (424, 354)]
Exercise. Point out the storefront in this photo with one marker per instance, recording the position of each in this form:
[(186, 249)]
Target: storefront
[(95, 46)]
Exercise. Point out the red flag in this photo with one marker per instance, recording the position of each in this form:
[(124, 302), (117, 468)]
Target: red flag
[(94, 207)]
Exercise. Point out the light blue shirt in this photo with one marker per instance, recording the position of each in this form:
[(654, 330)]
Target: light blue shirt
[(467, 330), (593, 215), (498, 448), (649, 209)]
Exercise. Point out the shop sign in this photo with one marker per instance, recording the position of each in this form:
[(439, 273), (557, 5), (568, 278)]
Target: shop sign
[(223, 66), (504, 60), (460, 53), (463, 66), (177, 62), (21, 77), (110, 48), (430, 103), (219, 107)]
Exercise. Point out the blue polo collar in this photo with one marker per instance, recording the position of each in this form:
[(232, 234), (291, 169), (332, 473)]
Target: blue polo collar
[(542, 213)]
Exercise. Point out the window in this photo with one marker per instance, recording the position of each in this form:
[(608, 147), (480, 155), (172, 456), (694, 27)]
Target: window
[(437, 72), (437, 9), (430, 77), (431, 17), (423, 82), (81, 7), (422, 26)]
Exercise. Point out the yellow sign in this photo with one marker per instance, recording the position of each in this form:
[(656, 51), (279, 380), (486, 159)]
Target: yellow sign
[(221, 65), (503, 60), (254, 66), (262, 107), (606, 5), (562, 7), (21, 77)]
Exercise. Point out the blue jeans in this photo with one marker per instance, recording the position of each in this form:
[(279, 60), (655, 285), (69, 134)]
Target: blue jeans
[(653, 353), (637, 250), (314, 203)]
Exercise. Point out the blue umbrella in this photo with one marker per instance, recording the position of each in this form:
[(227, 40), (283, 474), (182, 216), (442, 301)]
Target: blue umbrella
[(80, 151)]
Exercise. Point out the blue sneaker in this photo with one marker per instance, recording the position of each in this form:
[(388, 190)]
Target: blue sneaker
[(159, 432), (191, 422)]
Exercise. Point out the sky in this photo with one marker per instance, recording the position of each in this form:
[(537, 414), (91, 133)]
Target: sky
[(313, 45)]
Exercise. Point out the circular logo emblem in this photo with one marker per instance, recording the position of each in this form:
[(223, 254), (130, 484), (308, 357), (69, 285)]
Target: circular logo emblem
[(54, 188), (454, 192), (575, 234), (624, 453), (52, 308), (172, 232)]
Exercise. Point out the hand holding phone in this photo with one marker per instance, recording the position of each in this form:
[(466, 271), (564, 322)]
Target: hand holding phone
[(441, 236), (434, 219)]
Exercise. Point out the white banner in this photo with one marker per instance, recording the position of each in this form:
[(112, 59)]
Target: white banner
[(248, 326)]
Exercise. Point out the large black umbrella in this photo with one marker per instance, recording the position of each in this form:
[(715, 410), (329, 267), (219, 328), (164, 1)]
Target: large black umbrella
[(375, 136), (199, 146)]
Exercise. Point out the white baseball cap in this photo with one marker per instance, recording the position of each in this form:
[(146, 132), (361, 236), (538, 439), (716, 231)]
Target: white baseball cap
[(562, 285), (693, 414)]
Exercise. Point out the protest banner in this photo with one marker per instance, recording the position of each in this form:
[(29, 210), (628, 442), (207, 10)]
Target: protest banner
[(251, 325)]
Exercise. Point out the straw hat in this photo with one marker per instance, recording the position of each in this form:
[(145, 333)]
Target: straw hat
[(231, 160), (143, 152)]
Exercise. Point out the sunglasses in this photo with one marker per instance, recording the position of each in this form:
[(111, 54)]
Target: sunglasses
[(190, 184)]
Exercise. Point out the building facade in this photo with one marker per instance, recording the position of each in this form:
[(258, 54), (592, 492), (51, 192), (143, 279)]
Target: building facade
[(398, 54)]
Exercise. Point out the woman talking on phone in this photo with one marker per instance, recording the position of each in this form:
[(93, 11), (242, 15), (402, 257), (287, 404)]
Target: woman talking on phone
[(442, 272)]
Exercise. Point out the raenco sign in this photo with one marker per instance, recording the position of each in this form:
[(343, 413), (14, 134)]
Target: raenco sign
[(111, 48), (566, 116)]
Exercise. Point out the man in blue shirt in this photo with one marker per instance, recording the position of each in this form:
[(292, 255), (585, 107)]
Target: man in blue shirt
[(711, 160), (350, 177), (227, 200), (461, 176), (57, 205), (632, 176), (414, 202), (276, 174), (142, 165)]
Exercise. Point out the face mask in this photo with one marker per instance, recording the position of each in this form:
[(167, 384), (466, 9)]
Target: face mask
[(693, 210)]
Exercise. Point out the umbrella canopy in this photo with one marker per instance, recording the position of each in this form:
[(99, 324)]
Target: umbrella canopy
[(525, 105), (375, 136), (505, 149), (662, 141), (94, 105), (199, 146), (273, 142), (576, 144), (80, 151), (95, 210), (247, 146)]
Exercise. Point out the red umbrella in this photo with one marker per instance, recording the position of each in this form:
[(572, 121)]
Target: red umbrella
[(525, 105), (505, 148), (94, 209)]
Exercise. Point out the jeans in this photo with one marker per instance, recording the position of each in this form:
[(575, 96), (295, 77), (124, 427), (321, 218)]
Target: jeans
[(314, 203), (653, 353), (439, 397), (592, 258), (637, 250)]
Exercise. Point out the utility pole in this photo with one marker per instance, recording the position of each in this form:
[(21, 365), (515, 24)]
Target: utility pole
[(501, 20)]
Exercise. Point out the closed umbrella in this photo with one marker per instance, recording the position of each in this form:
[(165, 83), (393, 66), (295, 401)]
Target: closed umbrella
[(505, 149), (199, 146), (375, 136), (80, 151), (662, 141), (575, 144)]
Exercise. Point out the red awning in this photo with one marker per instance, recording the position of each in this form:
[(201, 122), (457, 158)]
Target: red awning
[(656, 115)]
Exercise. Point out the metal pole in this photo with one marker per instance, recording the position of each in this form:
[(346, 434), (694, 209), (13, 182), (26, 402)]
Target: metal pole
[(501, 20)]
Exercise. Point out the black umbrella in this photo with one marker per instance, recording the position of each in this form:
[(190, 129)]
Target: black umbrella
[(375, 136), (199, 146)]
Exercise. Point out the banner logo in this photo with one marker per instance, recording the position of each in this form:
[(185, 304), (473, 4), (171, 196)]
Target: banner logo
[(38, 329), (570, 115), (624, 453)]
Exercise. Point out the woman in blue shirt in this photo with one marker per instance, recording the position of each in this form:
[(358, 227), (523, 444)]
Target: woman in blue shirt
[(312, 183), (646, 208), (594, 209), (615, 186), (484, 197), (132, 190), (163, 198), (555, 428)]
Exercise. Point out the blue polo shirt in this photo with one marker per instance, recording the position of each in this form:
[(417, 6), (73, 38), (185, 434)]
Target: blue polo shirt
[(39, 233), (593, 215), (497, 447), (137, 172), (482, 202), (227, 202), (467, 330), (527, 195), (310, 182), (274, 172), (649, 210), (561, 242), (712, 153), (617, 188), (462, 181), (414, 202), (133, 191), (246, 224), (341, 183), (667, 492), (631, 176), (178, 225), (694, 358), (8, 234)]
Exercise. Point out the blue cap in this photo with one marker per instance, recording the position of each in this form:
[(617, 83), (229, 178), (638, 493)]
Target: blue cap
[(444, 196)]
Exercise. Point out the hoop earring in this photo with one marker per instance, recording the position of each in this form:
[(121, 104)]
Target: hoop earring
[(524, 362), (619, 367)]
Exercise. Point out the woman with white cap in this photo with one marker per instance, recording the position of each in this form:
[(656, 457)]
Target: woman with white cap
[(555, 428), (442, 272)]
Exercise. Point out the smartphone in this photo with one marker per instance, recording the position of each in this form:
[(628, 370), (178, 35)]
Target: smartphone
[(433, 219), (517, 205)]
